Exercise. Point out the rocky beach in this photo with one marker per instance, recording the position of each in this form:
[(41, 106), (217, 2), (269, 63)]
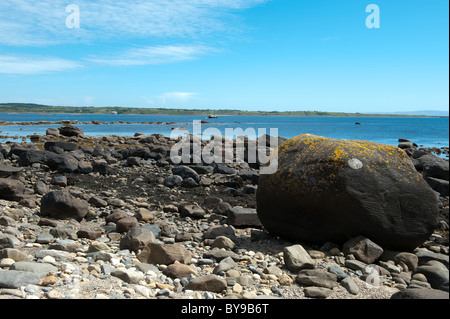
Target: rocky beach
[(114, 217)]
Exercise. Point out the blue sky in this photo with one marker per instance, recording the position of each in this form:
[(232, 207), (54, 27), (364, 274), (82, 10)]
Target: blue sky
[(236, 54)]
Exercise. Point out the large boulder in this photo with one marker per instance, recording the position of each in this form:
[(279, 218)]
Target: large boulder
[(333, 190), (62, 205)]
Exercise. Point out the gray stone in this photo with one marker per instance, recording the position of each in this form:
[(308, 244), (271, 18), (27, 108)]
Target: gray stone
[(317, 278), (68, 245), (128, 275), (173, 181), (317, 292), (216, 231), (193, 211), (336, 270), (15, 279), (7, 171), (219, 254), (393, 269), (223, 242), (224, 265), (45, 238), (59, 181), (137, 238), (425, 256), (350, 285), (297, 258), (57, 254), (356, 265), (7, 241), (363, 249), (41, 269)]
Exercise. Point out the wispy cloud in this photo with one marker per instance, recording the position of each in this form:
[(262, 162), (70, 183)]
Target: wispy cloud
[(25, 65), (172, 98), (153, 55), (34, 23)]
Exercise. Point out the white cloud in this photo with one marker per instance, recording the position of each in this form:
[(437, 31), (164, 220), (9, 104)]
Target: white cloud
[(176, 97), (30, 22), (24, 65), (153, 55)]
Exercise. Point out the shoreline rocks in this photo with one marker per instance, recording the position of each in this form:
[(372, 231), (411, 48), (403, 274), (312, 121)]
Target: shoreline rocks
[(119, 232)]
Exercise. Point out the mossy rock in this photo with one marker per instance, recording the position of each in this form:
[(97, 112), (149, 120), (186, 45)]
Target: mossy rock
[(332, 190)]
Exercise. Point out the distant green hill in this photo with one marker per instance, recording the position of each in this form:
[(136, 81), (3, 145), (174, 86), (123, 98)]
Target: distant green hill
[(38, 108)]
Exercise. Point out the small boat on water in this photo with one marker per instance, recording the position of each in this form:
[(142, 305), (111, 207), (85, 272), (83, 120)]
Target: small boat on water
[(212, 116)]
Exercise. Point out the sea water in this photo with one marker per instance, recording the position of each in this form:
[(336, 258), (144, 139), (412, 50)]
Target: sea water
[(428, 132)]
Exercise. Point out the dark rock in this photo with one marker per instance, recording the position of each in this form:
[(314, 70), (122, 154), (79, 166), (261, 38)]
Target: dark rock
[(216, 231), (439, 185), (193, 211), (133, 161), (62, 205), (66, 146), (115, 217), (211, 283), (103, 168), (11, 189), (363, 249), (436, 273), (186, 172), (89, 234), (220, 254), (189, 183), (201, 169), (10, 172), (222, 169), (125, 224), (173, 181), (97, 202), (426, 256), (239, 216), (69, 130), (420, 294), (359, 188), (59, 181), (40, 188), (164, 254)]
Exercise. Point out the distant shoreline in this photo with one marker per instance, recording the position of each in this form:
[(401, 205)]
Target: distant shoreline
[(19, 108)]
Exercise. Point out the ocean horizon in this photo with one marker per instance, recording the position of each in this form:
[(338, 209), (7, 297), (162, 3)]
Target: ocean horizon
[(426, 132)]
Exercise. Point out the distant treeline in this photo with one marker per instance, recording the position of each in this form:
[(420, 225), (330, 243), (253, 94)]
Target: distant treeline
[(38, 108)]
